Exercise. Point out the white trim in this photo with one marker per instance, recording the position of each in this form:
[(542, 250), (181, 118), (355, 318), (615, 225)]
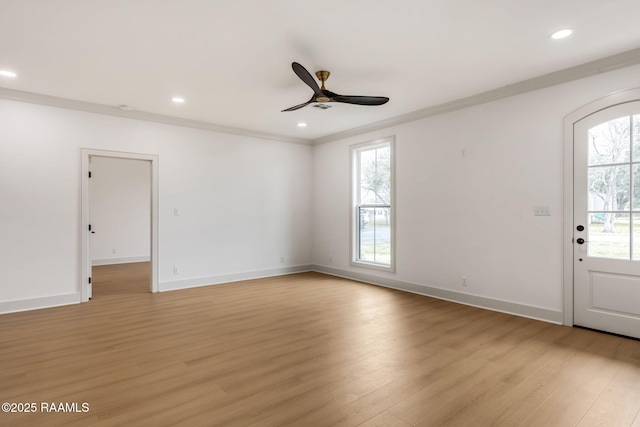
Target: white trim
[(71, 104), (127, 260), (85, 154), (38, 303), (611, 100), (232, 277), (76, 298), (599, 66), (531, 312)]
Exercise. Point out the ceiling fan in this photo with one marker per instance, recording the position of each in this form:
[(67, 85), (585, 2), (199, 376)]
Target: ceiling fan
[(320, 94)]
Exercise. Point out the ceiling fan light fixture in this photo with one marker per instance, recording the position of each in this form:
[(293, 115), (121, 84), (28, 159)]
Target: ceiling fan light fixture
[(561, 34), (322, 106), (321, 95)]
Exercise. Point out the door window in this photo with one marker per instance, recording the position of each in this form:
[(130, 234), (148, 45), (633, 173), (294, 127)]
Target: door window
[(614, 189)]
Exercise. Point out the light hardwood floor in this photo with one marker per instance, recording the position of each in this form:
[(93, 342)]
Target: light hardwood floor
[(307, 350), (121, 279)]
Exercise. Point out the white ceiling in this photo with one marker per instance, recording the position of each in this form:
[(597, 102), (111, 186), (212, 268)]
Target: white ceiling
[(231, 60)]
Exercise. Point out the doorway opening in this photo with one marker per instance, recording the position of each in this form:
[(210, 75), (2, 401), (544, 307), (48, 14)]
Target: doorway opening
[(123, 214)]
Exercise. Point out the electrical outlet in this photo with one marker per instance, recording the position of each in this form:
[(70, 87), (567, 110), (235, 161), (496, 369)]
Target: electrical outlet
[(176, 270), (282, 259), (330, 260), (113, 251), (464, 281)]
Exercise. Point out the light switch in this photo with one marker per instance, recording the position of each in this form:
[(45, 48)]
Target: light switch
[(542, 210)]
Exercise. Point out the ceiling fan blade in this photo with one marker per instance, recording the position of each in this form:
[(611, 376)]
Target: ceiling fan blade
[(306, 77), (361, 100), (297, 107)]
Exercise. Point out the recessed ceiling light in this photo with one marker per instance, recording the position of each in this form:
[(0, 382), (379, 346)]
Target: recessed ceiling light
[(177, 100), (561, 34), (5, 73), (302, 125)]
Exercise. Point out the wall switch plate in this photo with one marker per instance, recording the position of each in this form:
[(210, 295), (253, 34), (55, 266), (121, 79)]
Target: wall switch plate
[(542, 210)]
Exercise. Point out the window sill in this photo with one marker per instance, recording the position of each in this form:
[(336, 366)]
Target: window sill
[(372, 266)]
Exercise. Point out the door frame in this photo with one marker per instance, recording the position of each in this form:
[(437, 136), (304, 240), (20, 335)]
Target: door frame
[(611, 100), (85, 203)]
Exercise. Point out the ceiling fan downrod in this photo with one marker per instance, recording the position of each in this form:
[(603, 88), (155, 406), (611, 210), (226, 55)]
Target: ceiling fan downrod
[(322, 75)]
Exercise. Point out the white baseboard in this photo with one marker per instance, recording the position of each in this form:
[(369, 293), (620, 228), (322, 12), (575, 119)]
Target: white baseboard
[(127, 260), (75, 298), (227, 278), (537, 313), (38, 303)]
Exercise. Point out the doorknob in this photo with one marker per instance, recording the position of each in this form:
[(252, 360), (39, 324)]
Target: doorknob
[(580, 228), (580, 241)]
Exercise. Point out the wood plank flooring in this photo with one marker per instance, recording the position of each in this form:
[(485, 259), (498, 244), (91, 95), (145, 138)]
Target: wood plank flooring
[(306, 350), (118, 279)]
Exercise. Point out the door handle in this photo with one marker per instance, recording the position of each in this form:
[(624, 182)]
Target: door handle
[(580, 241)]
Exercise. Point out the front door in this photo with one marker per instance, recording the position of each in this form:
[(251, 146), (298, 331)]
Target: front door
[(607, 220)]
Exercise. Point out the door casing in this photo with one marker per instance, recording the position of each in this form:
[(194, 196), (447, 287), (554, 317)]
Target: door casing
[(85, 204), (611, 100)]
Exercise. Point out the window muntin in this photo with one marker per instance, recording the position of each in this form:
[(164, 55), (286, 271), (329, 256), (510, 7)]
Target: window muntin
[(372, 190)]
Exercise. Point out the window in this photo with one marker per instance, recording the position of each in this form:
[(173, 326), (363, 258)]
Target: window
[(613, 201), (372, 204)]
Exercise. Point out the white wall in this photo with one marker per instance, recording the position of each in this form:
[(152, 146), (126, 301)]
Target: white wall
[(469, 216), (120, 210), (244, 202)]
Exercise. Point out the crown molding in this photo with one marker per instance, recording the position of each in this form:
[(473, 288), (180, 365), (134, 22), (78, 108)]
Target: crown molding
[(610, 63), (54, 101), (599, 66)]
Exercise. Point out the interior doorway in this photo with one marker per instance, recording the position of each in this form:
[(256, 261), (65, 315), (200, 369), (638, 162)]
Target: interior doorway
[(112, 263), (120, 192)]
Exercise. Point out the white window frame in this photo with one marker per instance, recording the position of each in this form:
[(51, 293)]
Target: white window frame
[(355, 204)]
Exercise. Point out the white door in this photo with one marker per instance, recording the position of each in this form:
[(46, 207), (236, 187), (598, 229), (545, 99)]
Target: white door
[(607, 220)]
